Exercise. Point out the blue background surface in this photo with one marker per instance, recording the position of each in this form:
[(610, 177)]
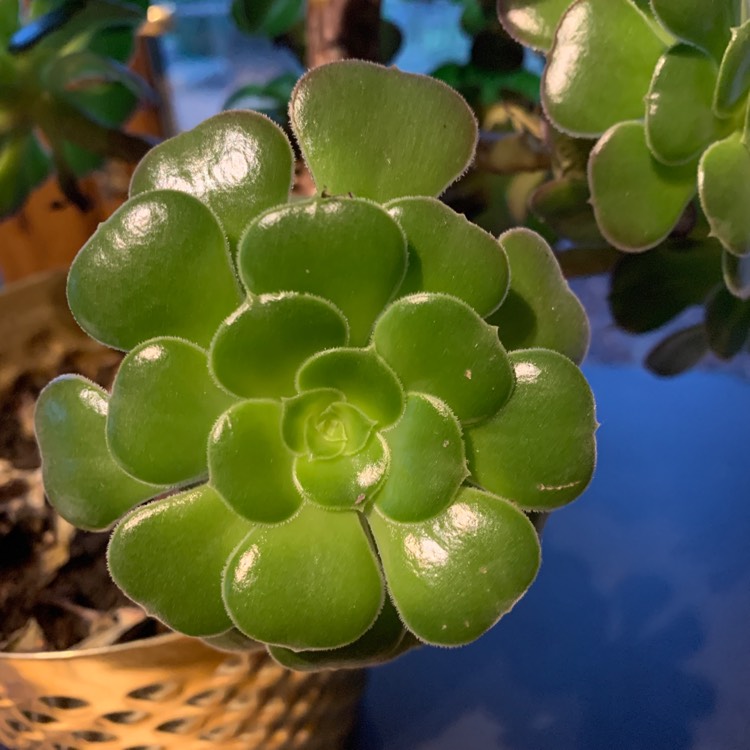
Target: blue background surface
[(636, 634)]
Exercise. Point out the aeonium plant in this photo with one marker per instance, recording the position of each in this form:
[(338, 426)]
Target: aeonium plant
[(341, 410)]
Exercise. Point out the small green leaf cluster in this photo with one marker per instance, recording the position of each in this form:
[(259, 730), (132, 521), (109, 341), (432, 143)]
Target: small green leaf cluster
[(342, 409), (663, 85), (64, 92)]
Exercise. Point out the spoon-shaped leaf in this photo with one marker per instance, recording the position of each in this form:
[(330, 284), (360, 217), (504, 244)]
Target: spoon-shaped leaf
[(163, 405), (637, 199), (532, 23), (185, 539), (428, 463), (678, 352), (311, 583), (680, 121), (736, 272), (259, 348), (439, 346), (345, 250), (250, 465), (734, 73), (724, 189), (452, 577), (539, 449), (77, 466), (540, 309), (364, 378), (703, 23), (117, 286), (238, 163), (393, 134), (449, 254), (600, 66)]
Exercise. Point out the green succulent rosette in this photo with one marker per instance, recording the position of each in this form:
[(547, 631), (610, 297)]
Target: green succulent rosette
[(341, 410), (663, 87)]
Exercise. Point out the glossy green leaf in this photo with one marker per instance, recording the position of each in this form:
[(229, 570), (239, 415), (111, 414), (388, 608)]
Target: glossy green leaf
[(393, 134), (678, 352), (724, 189), (564, 205), (680, 121), (345, 250), (649, 289), (540, 309), (452, 577), (311, 583), (339, 429), (532, 23), (366, 380), (439, 346), (703, 23), (428, 463), (116, 286), (300, 410), (447, 253), (169, 556), (736, 273), (238, 163), (539, 449), (344, 481), (637, 199), (600, 66), (163, 405), (250, 465), (734, 73), (81, 478), (727, 323), (385, 640), (259, 348)]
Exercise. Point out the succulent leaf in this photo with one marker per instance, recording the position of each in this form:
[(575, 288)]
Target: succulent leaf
[(555, 461), (408, 120), (238, 163), (736, 273), (734, 74), (169, 556), (453, 576), (449, 254), (532, 24), (318, 565), (300, 410), (346, 250), (116, 286), (727, 323), (82, 480)]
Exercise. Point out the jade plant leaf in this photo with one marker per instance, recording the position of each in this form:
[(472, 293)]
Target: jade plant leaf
[(540, 309), (116, 285), (736, 273), (680, 121), (409, 120), (187, 537), (703, 23), (439, 345), (449, 254), (555, 463), (637, 199), (89, 489), (604, 52), (734, 73), (724, 189), (154, 383), (238, 163), (679, 351), (428, 463), (453, 576), (258, 349), (532, 23), (348, 251), (321, 564), (250, 465), (364, 377)]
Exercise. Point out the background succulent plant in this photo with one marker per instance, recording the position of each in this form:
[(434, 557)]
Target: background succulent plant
[(345, 406), (65, 92)]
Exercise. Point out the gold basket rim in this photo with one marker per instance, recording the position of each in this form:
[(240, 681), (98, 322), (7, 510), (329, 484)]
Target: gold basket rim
[(157, 641)]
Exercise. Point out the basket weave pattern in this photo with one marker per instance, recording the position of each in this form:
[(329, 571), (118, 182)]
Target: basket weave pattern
[(171, 692)]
